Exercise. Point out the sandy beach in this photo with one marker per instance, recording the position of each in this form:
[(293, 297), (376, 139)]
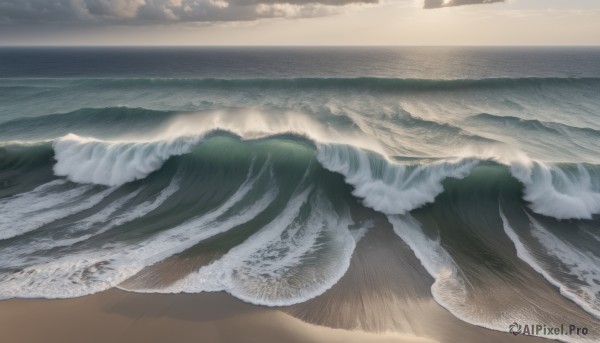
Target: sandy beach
[(118, 316)]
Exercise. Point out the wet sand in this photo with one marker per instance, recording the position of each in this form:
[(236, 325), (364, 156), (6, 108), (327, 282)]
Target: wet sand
[(119, 316)]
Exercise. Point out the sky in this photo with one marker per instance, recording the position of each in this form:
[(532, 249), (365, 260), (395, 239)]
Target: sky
[(299, 22)]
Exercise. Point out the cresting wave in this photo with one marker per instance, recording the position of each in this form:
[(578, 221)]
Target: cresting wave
[(562, 191), (259, 211), (88, 160)]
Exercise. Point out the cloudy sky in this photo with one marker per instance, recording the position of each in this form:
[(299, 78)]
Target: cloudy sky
[(299, 22)]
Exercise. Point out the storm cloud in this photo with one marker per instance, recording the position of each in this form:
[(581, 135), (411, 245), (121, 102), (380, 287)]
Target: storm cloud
[(139, 12), (429, 4)]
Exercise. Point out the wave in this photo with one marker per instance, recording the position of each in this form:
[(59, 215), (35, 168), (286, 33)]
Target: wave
[(577, 276), (273, 219), (88, 272), (124, 123), (29, 211), (449, 288), (389, 187), (113, 120), (113, 215), (562, 190), (274, 267), (88, 160)]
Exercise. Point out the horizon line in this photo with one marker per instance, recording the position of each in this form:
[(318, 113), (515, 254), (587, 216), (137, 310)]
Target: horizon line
[(291, 45)]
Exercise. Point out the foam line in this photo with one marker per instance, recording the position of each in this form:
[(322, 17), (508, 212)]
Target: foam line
[(582, 266), (20, 253), (97, 270), (272, 267), (29, 211)]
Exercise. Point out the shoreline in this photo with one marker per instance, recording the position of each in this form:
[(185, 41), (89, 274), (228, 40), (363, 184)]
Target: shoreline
[(371, 303), (120, 316)]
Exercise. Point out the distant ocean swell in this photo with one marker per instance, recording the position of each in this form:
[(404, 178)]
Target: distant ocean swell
[(360, 83), (116, 121)]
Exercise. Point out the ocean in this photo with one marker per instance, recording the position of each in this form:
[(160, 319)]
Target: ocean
[(258, 171)]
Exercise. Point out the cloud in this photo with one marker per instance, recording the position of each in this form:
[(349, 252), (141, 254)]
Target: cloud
[(429, 4), (162, 11), (139, 12)]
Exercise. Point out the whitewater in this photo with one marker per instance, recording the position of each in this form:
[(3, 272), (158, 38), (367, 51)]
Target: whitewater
[(263, 186)]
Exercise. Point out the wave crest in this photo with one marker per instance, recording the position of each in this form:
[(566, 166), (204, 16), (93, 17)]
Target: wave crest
[(389, 187), (88, 160), (562, 192)]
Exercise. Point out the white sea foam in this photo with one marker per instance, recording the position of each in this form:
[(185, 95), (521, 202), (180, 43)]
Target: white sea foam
[(29, 211), (386, 186), (595, 236), (576, 265), (104, 214), (450, 288), (21, 252), (115, 162), (580, 265), (112, 163), (93, 271), (273, 267), (360, 232), (557, 192), (253, 123)]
